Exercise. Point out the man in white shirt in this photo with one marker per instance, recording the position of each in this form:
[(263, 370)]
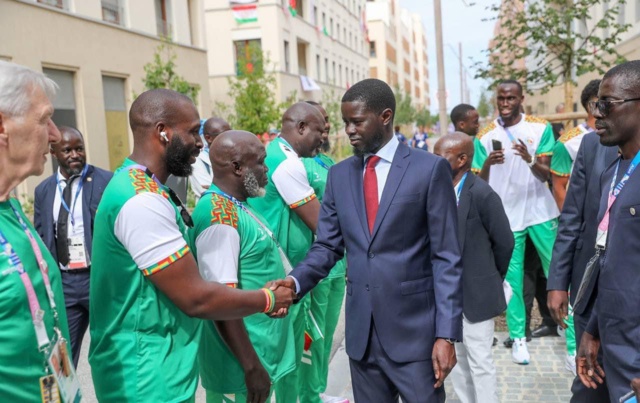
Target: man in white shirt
[(65, 205), (519, 149), (202, 174)]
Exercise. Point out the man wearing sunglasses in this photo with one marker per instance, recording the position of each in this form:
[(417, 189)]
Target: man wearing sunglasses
[(517, 168), (614, 325)]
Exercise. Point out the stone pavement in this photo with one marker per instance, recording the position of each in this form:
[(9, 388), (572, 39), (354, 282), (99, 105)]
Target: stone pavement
[(544, 380)]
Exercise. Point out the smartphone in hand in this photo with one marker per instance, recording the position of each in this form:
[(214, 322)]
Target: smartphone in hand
[(497, 145)]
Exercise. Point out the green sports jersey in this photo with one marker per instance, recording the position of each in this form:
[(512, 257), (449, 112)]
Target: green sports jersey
[(21, 363), (143, 347), (566, 149), (258, 263), (317, 173), (479, 156), (292, 233)]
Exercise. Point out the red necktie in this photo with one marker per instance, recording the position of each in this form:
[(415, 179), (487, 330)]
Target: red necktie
[(371, 190)]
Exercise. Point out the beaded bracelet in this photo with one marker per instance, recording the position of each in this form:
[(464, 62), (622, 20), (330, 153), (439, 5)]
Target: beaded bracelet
[(271, 300)]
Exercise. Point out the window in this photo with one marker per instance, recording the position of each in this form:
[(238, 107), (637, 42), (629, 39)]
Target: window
[(331, 26), (315, 16), (61, 4), (248, 53), (299, 8), (372, 49), (339, 74), (163, 18), (637, 10), (333, 76), (115, 110), (338, 29), (302, 59), (318, 67), (287, 59), (326, 70), (324, 20), (622, 17), (64, 103), (112, 12)]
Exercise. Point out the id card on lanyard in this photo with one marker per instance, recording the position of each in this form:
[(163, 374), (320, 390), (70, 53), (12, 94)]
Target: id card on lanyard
[(283, 257), (459, 188), (614, 192), (78, 257), (52, 387)]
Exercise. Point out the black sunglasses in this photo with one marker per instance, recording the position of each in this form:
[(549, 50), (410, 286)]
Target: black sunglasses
[(604, 107)]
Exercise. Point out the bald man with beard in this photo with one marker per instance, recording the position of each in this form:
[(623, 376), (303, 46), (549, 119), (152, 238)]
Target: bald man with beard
[(486, 243), (239, 360), (146, 291), (291, 208)]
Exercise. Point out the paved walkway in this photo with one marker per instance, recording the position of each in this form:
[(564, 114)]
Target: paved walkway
[(544, 380)]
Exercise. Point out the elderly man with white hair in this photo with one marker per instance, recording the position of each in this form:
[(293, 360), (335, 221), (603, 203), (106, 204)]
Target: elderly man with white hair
[(34, 358)]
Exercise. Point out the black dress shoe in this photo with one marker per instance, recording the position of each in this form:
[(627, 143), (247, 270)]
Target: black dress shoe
[(508, 342), (544, 330)]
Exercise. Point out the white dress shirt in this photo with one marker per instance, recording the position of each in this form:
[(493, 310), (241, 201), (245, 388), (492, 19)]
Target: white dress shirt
[(383, 167), (75, 227)]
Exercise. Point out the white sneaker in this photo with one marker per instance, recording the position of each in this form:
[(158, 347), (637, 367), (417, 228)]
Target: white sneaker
[(332, 399), (570, 364), (562, 333), (519, 351)]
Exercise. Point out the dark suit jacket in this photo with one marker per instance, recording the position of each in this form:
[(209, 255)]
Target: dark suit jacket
[(486, 242), (406, 277), (576, 239), (94, 183), (616, 315)]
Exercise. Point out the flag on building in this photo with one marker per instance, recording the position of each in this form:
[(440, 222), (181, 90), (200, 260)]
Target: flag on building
[(292, 8), (244, 11)]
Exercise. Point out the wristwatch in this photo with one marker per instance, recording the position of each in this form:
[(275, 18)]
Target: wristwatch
[(533, 161), (450, 341)]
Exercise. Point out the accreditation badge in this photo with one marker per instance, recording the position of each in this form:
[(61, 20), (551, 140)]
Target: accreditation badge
[(49, 389), (77, 253), (62, 370)]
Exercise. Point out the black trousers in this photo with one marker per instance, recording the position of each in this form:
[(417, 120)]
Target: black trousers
[(76, 297)]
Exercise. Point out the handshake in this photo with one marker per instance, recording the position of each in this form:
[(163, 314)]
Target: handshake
[(284, 292)]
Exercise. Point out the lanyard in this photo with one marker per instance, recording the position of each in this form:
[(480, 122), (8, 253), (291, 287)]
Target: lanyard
[(320, 162), (506, 129), (614, 192), (285, 260), (37, 314), (460, 185), (75, 198)]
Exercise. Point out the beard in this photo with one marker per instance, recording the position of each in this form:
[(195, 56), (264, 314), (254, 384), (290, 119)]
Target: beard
[(178, 158), (369, 147), (75, 171), (252, 187)]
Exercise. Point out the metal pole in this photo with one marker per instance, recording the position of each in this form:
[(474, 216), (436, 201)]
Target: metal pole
[(442, 91), (461, 72)]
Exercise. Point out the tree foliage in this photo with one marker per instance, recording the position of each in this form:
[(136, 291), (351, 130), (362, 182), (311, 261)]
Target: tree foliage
[(423, 118), (544, 43), (332, 104), (485, 108), (253, 93), (161, 72), (405, 111)]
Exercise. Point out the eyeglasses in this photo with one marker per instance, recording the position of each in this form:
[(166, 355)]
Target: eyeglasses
[(604, 107)]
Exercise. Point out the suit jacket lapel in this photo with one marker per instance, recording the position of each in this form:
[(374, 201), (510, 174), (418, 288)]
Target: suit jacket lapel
[(463, 208), (396, 173), (87, 189), (357, 189)]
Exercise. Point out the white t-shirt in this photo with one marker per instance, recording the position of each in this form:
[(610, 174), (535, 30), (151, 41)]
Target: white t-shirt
[(290, 179), (147, 228), (527, 200)]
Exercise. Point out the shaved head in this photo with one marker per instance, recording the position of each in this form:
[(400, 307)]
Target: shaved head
[(237, 160), (157, 106), (213, 127), (303, 127), (457, 148)]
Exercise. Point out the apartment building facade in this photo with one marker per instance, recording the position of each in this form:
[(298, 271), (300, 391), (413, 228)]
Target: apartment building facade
[(398, 49), (314, 47), (95, 51)]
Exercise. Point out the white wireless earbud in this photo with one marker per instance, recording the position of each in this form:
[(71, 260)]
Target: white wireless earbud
[(164, 136)]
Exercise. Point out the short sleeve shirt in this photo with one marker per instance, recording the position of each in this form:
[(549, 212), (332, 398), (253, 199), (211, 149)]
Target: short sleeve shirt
[(257, 261), (21, 364), (479, 156), (566, 149), (527, 200), (288, 189), (143, 347)]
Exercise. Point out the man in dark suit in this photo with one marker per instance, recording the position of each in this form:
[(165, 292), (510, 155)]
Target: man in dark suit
[(574, 247), (486, 242), (65, 206), (393, 208), (615, 321)]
